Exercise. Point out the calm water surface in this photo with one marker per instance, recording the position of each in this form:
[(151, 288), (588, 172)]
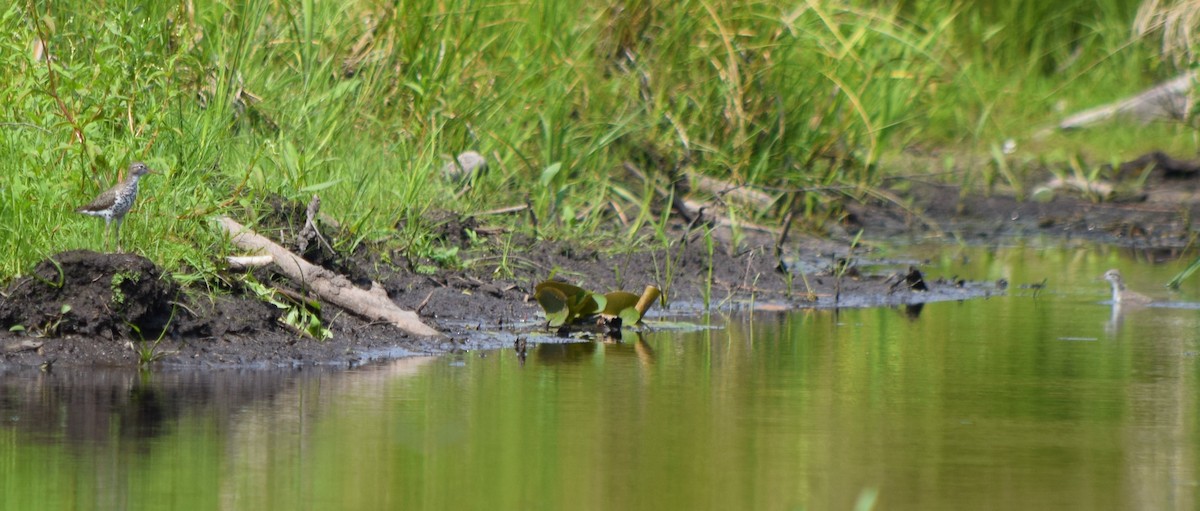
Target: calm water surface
[(1051, 401)]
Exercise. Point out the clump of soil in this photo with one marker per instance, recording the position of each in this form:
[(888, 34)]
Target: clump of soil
[(219, 317), (82, 292)]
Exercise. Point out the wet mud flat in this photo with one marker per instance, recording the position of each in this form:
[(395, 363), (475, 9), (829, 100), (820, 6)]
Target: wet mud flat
[(89, 309), (122, 311)]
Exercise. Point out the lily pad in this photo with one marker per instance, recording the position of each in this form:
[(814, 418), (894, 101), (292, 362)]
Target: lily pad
[(591, 304), (622, 304), (618, 301), (630, 316), (564, 303), (579, 302), (554, 302)]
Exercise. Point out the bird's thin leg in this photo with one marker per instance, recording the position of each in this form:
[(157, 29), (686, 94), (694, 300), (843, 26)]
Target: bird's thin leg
[(119, 234), (107, 223)]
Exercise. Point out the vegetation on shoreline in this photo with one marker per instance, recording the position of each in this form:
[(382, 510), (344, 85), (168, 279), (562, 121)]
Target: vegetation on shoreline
[(363, 101)]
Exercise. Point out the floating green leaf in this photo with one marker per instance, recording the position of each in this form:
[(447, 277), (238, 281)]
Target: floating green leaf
[(618, 301), (554, 303), (630, 316), (601, 301), (566, 289), (590, 304), (578, 301), (564, 303)]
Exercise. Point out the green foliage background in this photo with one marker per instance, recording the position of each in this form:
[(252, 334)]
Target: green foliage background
[(362, 101)]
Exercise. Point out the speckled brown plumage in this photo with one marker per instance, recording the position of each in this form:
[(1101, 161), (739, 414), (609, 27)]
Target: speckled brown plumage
[(115, 202)]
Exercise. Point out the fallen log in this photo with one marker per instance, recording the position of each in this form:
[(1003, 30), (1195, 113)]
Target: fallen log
[(329, 286), (740, 194), (1168, 100)]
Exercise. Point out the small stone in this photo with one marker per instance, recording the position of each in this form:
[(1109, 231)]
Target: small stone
[(465, 168)]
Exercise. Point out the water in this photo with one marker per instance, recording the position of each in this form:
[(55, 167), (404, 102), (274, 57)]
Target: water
[(1018, 402)]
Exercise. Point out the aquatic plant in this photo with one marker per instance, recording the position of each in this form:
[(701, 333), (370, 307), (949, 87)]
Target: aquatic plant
[(565, 303)]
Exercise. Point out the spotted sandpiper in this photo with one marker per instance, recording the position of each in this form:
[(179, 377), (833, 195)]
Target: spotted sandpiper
[(116, 201), (1121, 295)]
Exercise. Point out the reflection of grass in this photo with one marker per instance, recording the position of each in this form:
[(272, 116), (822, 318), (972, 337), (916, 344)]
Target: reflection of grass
[(708, 278), (357, 101), (866, 499)]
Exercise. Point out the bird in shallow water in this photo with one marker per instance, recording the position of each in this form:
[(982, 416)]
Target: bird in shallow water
[(1121, 295), (115, 202)]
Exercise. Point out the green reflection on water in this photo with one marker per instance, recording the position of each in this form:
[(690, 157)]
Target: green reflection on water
[(1014, 402)]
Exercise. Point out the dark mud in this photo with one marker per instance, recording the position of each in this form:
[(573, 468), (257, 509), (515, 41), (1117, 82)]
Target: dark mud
[(83, 293), (123, 311)]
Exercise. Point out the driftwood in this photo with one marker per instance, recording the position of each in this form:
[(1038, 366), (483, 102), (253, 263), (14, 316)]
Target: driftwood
[(26, 345), (1096, 188), (740, 194), (243, 263), (1169, 100), (336, 289)]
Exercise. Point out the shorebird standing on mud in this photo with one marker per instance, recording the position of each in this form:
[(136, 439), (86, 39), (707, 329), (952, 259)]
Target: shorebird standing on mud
[(115, 202)]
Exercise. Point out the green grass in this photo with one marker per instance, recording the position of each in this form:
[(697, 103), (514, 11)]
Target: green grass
[(359, 101)]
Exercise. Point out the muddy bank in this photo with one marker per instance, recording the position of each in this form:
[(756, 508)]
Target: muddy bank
[(111, 325), (84, 308)]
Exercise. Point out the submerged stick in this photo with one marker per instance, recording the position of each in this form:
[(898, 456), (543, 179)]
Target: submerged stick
[(336, 289)]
